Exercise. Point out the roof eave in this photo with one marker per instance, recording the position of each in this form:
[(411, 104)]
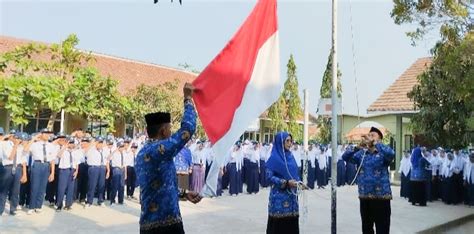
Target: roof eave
[(391, 112)]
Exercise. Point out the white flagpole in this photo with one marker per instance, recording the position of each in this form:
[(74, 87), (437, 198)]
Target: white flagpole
[(305, 136), (334, 119)]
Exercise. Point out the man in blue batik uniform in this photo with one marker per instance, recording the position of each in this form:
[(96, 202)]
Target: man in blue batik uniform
[(373, 179), (156, 172)]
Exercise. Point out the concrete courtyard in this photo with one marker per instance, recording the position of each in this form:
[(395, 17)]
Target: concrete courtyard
[(241, 214)]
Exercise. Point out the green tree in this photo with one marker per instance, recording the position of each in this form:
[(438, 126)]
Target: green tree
[(287, 109), (145, 99), (450, 16), (55, 77), (444, 93), (276, 113), (324, 122), (292, 100)]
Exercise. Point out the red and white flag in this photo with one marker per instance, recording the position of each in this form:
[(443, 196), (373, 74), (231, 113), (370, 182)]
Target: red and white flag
[(239, 84)]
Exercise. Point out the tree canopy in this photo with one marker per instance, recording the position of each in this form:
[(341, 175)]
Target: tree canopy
[(34, 77), (444, 94), (285, 112), (324, 122)]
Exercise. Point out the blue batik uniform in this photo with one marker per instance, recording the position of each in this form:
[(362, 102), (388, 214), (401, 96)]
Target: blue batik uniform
[(374, 177), (183, 161), (156, 174), (281, 167), (283, 201)]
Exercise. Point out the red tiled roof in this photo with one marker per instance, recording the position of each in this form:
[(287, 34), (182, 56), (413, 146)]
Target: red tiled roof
[(395, 97), (129, 73), (356, 133)]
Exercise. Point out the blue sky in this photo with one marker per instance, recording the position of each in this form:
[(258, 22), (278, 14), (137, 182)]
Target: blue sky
[(170, 34)]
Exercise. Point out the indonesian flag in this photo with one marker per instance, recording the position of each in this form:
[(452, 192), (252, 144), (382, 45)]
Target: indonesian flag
[(239, 84)]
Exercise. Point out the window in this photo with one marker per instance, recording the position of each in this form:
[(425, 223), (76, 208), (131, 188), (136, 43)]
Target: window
[(409, 143), (129, 130), (40, 121), (97, 128)]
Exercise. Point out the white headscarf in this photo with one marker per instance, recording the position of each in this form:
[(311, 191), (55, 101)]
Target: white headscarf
[(405, 166), (468, 175)]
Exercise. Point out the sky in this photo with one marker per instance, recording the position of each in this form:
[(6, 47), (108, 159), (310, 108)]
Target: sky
[(194, 33)]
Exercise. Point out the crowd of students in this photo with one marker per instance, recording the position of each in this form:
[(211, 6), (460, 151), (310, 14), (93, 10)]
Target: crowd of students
[(61, 169), (437, 174)]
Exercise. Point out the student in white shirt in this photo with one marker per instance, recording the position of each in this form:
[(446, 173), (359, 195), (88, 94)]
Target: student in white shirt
[(42, 169), (68, 157), (99, 170), (14, 163), (119, 174)]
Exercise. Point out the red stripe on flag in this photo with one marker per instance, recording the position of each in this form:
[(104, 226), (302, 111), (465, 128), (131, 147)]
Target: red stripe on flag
[(220, 87)]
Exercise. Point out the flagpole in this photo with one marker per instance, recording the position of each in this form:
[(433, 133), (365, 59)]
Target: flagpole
[(334, 119), (305, 136)]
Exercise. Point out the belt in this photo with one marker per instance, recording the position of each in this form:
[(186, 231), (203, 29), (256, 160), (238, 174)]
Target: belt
[(39, 161), (197, 164), (11, 165), (67, 168), (96, 166)]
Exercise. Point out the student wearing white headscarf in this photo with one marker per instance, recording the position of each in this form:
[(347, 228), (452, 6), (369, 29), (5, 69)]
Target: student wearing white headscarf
[(469, 180), (321, 168), (447, 185), (405, 168)]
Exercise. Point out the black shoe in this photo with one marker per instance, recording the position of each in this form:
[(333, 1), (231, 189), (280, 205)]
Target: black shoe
[(58, 209), (67, 208)]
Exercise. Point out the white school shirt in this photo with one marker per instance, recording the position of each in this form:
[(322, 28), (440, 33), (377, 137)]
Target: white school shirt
[(448, 167), (436, 163), (3, 145), (67, 155), (254, 155), (199, 156), (297, 155), (129, 159), (118, 158), (37, 153), (469, 173), (458, 162), (55, 150), (20, 155), (94, 158), (322, 160), (312, 157), (81, 155)]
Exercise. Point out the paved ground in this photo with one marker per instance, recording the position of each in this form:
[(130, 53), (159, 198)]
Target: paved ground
[(242, 214)]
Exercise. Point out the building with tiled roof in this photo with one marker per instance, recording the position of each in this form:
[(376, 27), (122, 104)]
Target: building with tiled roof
[(129, 74), (392, 111), (395, 98)]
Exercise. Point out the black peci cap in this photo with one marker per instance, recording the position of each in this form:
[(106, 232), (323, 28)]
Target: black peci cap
[(157, 118), (376, 130)]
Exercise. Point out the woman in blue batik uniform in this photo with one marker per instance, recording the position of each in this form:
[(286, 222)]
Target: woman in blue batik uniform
[(283, 176), (418, 177)]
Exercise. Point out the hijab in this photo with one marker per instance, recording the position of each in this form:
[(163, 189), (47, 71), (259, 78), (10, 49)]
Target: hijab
[(281, 160)]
